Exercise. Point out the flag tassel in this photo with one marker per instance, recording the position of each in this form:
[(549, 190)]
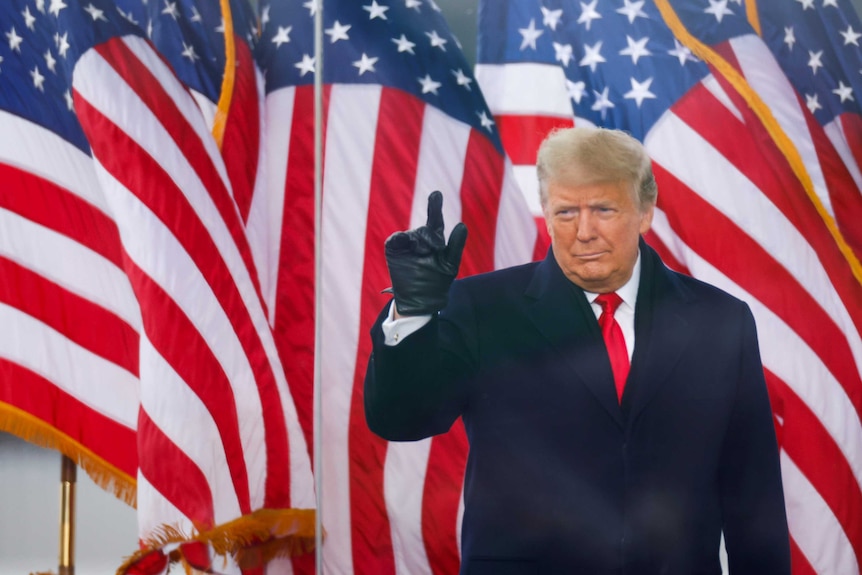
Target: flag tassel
[(252, 540), (39, 433)]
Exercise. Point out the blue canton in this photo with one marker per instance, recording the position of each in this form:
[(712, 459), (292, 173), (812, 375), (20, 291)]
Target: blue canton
[(623, 66)]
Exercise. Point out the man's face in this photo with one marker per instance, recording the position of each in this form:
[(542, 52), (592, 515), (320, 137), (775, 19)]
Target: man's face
[(594, 232)]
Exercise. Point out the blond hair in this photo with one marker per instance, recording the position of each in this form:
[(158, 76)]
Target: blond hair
[(584, 156)]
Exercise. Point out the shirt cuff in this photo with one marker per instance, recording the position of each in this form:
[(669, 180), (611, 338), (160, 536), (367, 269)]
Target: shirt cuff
[(395, 330)]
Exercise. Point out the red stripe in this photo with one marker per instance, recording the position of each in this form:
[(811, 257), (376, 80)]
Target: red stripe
[(522, 134), (441, 498), (294, 305), (480, 203), (717, 239), (753, 152), (843, 192), (153, 95), (124, 160), (664, 253), (819, 458), (543, 239), (106, 438), (187, 352), (80, 320), (799, 563), (241, 143), (851, 126), (49, 205), (164, 464), (396, 152)]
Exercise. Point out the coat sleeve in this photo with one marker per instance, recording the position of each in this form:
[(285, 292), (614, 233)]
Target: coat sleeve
[(417, 388), (754, 517)]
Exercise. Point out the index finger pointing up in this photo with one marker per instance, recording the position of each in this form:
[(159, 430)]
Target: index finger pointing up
[(435, 213)]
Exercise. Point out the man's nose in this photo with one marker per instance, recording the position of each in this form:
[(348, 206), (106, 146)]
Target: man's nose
[(586, 229)]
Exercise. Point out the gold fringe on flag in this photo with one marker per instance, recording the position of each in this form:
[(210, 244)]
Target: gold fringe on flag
[(33, 430), (769, 122), (251, 540)]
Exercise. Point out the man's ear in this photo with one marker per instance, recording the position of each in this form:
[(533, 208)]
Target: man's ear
[(646, 218)]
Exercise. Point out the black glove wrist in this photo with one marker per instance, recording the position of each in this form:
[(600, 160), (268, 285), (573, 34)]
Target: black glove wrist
[(421, 265)]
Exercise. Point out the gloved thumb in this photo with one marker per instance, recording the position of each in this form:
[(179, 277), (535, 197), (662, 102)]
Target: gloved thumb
[(455, 247)]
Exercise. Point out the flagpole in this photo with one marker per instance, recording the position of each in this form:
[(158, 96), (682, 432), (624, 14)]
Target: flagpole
[(68, 477), (318, 261)]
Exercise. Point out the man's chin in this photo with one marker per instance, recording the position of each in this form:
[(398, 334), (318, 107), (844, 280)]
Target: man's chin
[(590, 281)]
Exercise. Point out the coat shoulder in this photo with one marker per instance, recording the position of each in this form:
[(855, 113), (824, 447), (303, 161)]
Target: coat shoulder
[(699, 291), (514, 278)]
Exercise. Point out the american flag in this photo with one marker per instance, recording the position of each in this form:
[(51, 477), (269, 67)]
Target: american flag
[(133, 296), (817, 45), (823, 140), (734, 207), (69, 349), (403, 117)]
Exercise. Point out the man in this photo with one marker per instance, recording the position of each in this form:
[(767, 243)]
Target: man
[(602, 441)]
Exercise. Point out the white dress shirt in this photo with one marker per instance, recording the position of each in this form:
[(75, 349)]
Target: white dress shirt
[(625, 313), (395, 330)]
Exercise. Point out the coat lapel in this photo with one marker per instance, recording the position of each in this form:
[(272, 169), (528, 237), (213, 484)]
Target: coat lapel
[(661, 332), (563, 316)]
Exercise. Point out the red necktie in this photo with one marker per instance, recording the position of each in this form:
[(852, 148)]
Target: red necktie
[(614, 340)]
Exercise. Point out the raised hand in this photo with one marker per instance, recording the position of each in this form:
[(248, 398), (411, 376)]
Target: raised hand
[(421, 265)]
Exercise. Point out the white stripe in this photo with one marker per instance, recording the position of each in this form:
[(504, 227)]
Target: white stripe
[(39, 151), (528, 181), (68, 264), (207, 107), (440, 166), (662, 228), (184, 419), (351, 131), (684, 153), (835, 132), (96, 382), (265, 212), (277, 129), (813, 526), (766, 77), (516, 231), (583, 122), (542, 89), (403, 481), (158, 253), (784, 353), (279, 566), (154, 508)]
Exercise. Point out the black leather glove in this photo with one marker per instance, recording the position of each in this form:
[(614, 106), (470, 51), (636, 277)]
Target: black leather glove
[(421, 265)]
